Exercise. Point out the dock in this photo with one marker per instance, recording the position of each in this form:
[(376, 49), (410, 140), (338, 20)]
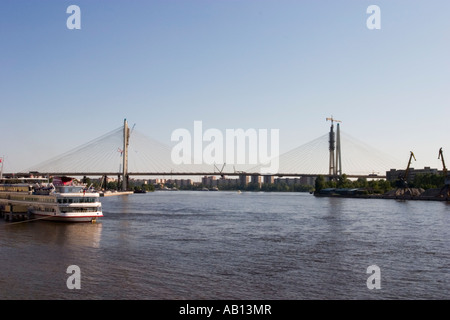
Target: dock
[(15, 213)]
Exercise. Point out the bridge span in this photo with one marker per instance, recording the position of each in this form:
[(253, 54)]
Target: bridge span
[(126, 153), (173, 173)]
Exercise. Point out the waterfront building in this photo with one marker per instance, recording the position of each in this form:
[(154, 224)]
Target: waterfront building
[(226, 183), (394, 174), (256, 179), (308, 181), (243, 179), (268, 179), (209, 181)]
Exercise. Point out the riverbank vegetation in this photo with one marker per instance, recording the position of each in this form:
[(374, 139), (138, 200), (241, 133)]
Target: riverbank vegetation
[(373, 186), (380, 186)]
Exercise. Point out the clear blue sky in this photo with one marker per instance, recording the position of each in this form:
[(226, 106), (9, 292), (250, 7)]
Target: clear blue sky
[(230, 63)]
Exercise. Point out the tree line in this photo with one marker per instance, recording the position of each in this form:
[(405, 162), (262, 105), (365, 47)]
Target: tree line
[(424, 181)]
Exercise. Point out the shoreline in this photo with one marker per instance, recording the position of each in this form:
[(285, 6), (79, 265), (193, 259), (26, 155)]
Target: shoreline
[(329, 195), (383, 196)]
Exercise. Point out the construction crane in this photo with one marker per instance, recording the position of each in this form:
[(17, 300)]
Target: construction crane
[(409, 164), (444, 168), (220, 170), (405, 175), (332, 120), (441, 156)]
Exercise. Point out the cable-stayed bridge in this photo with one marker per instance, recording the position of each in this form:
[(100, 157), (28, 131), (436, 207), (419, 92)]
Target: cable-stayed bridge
[(124, 152)]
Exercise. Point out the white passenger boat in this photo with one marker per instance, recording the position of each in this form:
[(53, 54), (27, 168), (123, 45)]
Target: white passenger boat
[(61, 200)]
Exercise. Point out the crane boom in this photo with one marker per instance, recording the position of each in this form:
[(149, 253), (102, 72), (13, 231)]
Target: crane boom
[(333, 120), (405, 176), (441, 156)]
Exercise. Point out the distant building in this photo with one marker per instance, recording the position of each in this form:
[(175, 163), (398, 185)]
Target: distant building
[(176, 182), (209, 181), (224, 183), (180, 182), (156, 181), (288, 181), (297, 181), (394, 174), (243, 179), (308, 181), (268, 179), (255, 178)]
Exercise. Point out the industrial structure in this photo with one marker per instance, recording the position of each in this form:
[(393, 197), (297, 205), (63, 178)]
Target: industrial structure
[(444, 168), (404, 178)]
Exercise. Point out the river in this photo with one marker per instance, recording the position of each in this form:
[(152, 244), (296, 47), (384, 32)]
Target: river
[(226, 245)]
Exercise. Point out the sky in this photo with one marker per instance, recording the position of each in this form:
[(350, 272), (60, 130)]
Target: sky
[(263, 64)]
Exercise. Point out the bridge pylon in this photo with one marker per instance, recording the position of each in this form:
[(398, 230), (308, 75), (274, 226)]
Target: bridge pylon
[(338, 151), (126, 142), (335, 164)]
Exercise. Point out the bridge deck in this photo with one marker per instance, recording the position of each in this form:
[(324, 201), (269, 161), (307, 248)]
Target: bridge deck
[(372, 176)]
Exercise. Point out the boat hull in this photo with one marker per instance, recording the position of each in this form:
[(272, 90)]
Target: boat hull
[(67, 218)]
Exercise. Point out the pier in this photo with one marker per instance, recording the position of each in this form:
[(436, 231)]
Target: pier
[(15, 213)]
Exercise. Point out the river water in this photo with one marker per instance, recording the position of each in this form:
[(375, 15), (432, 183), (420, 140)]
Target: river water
[(226, 245)]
